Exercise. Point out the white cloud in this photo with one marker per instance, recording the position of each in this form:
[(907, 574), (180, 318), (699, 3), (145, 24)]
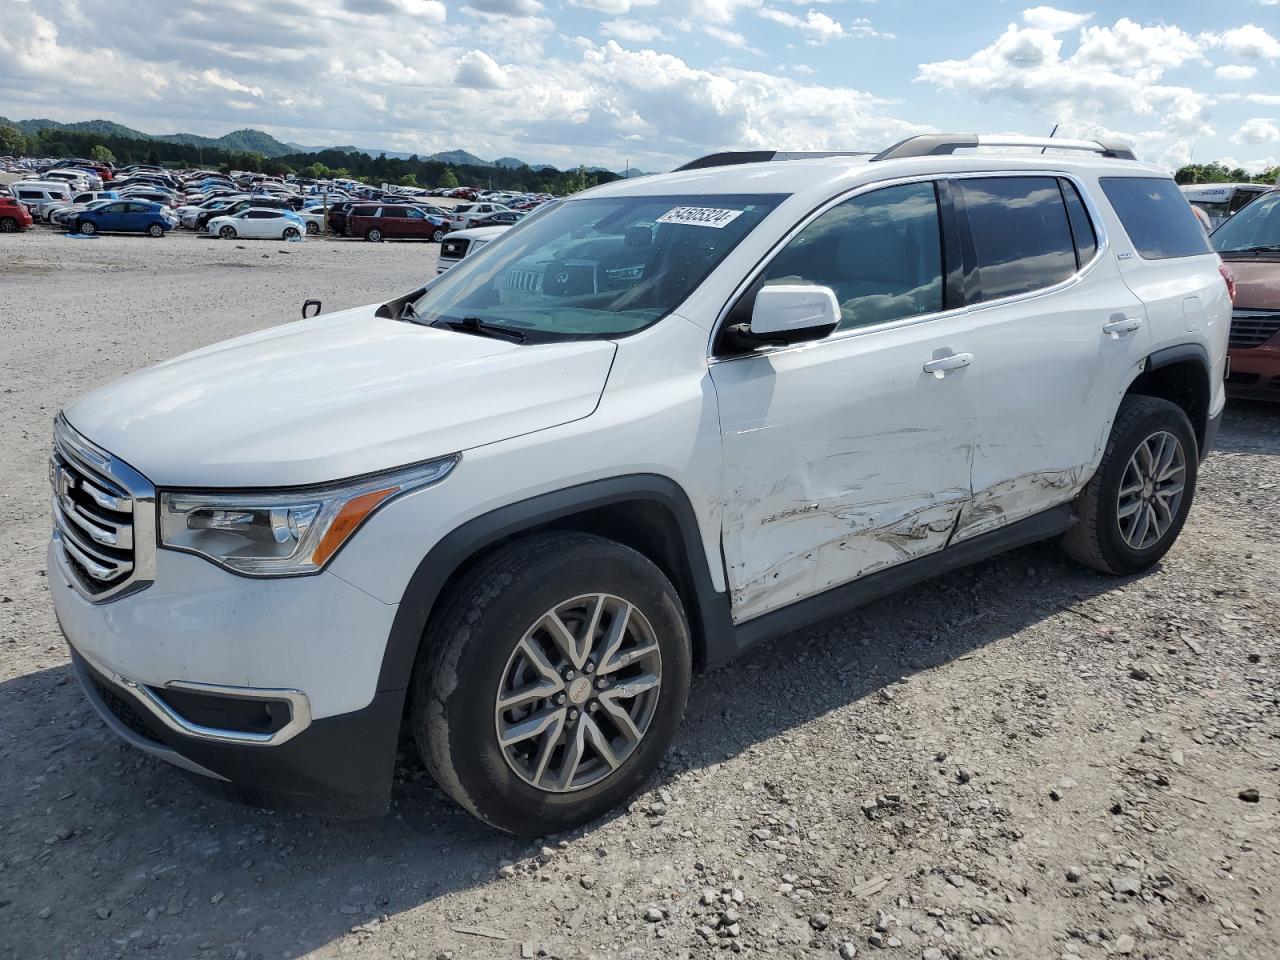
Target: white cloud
[(1249, 42), (1114, 74), (479, 71), (1255, 131), (820, 28), (1054, 20), (632, 31), (612, 6), (1236, 71), (506, 8)]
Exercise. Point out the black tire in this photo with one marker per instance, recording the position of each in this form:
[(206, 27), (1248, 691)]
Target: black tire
[(227, 232), (8, 225), (155, 230), (312, 228), (1096, 539), (469, 641), (373, 235), (291, 233), (86, 228), (439, 235)]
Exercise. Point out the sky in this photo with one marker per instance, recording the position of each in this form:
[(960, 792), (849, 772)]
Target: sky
[(654, 83)]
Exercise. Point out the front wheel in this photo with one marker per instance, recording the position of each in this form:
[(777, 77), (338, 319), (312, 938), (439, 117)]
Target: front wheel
[(227, 232), (86, 228), (291, 233), (8, 225), (553, 679), (374, 235), (155, 230), (312, 228), (1130, 513)]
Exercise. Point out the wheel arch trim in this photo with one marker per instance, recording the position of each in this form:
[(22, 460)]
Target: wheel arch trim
[(707, 609)]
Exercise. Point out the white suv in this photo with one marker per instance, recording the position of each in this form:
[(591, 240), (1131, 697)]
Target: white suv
[(514, 510)]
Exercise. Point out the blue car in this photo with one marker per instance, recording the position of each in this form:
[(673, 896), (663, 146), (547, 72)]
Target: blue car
[(126, 216)]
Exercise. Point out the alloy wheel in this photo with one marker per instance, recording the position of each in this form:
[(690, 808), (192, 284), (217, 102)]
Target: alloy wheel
[(578, 693), (1151, 490)]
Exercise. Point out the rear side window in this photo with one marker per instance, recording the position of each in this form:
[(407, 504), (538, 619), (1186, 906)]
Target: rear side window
[(1081, 226), (1020, 233), (1156, 216)]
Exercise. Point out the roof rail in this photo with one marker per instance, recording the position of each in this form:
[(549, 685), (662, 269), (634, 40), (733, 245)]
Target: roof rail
[(731, 157), (936, 144)]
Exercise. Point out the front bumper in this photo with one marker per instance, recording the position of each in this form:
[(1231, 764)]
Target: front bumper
[(152, 661), (1255, 372), (339, 766)]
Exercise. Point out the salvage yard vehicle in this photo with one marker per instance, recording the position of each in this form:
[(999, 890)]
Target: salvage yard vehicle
[(459, 243), (14, 215), (652, 425), (394, 221), (126, 216), (1249, 243), (258, 223)]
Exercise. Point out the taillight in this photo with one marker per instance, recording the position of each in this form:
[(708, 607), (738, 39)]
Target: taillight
[(1230, 278)]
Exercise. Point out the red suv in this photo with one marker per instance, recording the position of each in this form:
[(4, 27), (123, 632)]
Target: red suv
[(1249, 244), (390, 221), (14, 216)]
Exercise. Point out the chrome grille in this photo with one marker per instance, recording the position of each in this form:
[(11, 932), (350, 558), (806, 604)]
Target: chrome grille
[(525, 281), (103, 517), (1253, 328)]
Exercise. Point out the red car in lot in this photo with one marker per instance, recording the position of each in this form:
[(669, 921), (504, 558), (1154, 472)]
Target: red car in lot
[(14, 216), (394, 221), (1249, 244)]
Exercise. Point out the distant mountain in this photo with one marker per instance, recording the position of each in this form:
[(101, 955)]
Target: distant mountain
[(257, 141)]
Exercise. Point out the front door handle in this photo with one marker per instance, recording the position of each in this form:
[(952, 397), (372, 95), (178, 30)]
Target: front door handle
[(940, 366), (1120, 325)]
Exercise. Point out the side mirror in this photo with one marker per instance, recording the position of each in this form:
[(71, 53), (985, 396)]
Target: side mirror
[(789, 313), (307, 305)]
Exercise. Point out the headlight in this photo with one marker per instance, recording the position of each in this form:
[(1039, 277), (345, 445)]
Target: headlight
[(283, 534)]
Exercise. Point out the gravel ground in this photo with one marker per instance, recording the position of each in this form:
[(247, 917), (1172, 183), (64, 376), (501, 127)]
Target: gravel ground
[(1020, 760)]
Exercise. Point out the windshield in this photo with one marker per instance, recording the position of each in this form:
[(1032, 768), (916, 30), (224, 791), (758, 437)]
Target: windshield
[(595, 267), (1255, 228)]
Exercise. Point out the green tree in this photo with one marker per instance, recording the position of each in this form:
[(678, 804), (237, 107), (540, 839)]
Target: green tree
[(12, 141), (102, 154), (317, 171), (448, 179), (409, 180)]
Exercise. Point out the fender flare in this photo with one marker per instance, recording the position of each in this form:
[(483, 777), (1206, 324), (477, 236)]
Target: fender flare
[(1177, 354), (707, 609)]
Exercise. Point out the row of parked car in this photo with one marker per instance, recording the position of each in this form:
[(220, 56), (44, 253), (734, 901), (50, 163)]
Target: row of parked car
[(74, 195)]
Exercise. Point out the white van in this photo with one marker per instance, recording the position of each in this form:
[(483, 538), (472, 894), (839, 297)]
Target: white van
[(39, 195)]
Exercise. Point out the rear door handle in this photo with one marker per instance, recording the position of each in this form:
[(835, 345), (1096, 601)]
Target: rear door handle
[(940, 366), (1119, 326)]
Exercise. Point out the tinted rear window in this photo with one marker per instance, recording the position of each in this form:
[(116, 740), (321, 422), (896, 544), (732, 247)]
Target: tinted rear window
[(1156, 216), (1081, 226), (1020, 233)]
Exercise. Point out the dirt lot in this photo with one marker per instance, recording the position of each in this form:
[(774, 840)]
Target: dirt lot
[(1020, 760)]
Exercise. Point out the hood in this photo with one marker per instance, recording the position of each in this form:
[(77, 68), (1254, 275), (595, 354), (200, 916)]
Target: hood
[(1257, 281), (335, 396)]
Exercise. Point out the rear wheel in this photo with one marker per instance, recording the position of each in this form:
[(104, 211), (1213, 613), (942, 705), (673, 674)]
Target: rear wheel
[(1132, 510), (86, 227), (373, 235), (155, 230), (8, 225), (291, 233), (439, 235), (553, 679), (227, 232)]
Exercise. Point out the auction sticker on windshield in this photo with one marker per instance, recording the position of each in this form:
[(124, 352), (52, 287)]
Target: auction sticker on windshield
[(700, 216)]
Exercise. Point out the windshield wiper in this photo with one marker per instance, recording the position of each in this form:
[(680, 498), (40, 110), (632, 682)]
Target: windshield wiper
[(1258, 248), (486, 329)]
